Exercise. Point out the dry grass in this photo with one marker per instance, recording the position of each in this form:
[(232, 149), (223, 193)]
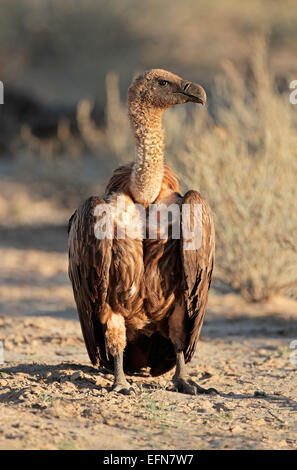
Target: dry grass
[(245, 164), (62, 51)]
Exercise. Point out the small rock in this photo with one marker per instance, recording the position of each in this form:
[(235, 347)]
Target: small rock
[(259, 393), (77, 376), (3, 375), (39, 406), (235, 429), (91, 379), (201, 410), (87, 413), (10, 436)]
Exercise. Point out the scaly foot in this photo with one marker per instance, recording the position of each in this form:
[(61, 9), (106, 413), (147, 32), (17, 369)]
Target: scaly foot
[(123, 387), (190, 387)]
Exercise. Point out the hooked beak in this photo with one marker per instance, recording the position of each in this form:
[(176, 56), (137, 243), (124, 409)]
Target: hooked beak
[(194, 92)]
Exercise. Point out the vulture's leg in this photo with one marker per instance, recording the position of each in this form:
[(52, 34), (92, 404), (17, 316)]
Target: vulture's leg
[(115, 337), (182, 383), (177, 335), (120, 383)]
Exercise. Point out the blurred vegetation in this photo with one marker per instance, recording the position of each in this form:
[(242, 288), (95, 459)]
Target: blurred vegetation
[(62, 50), (241, 153), (245, 163)]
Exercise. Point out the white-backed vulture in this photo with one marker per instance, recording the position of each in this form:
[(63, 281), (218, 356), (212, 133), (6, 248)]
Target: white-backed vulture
[(141, 299)]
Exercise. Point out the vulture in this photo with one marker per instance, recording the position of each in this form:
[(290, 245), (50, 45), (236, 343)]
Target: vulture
[(141, 278)]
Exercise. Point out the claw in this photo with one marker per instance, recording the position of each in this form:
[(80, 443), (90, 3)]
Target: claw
[(124, 389), (191, 388), (183, 386), (200, 389)]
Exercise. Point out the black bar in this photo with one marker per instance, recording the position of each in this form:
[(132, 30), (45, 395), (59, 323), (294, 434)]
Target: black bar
[(146, 458)]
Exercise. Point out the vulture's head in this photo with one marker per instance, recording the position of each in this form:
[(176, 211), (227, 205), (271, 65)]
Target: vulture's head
[(161, 89)]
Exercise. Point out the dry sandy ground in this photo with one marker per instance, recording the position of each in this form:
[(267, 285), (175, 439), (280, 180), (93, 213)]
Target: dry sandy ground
[(51, 398)]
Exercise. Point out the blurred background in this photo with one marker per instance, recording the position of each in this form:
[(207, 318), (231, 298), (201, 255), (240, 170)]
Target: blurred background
[(66, 67)]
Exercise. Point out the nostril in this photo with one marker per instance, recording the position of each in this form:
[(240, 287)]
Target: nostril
[(186, 86)]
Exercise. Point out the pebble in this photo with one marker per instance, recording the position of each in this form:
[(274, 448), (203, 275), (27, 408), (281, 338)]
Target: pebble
[(77, 376), (259, 393)]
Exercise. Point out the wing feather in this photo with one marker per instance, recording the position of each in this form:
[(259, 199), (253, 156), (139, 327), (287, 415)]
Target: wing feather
[(89, 265), (197, 268)]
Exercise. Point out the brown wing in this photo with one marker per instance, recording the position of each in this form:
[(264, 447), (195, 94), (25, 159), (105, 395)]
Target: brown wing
[(197, 267), (89, 264)]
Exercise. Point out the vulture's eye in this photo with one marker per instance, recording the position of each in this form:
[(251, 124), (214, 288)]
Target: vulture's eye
[(163, 82)]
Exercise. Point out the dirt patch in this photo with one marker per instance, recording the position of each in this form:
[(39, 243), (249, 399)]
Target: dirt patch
[(51, 398)]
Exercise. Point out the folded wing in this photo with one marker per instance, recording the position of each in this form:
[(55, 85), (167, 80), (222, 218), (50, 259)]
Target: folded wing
[(197, 264)]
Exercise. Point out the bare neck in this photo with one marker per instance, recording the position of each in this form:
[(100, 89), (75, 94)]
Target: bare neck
[(148, 168)]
